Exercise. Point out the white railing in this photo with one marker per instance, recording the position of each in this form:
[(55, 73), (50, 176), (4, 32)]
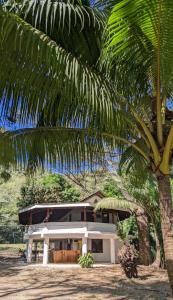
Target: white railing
[(60, 226), (103, 227)]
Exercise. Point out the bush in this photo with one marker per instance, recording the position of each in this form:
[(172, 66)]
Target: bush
[(128, 258), (86, 261)]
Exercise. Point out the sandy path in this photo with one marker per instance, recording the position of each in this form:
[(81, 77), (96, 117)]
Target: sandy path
[(37, 283)]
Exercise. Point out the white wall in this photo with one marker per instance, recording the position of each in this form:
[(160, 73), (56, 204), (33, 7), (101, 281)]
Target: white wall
[(101, 257), (118, 245), (105, 256)]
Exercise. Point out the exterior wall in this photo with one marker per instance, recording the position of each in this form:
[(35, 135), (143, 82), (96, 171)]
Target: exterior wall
[(101, 257), (93, 200), (70, 228), (118, 245)]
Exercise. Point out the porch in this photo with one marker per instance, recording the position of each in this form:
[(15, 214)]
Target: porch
[(65, 251)]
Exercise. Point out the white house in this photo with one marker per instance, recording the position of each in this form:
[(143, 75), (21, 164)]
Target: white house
[(69, 230)]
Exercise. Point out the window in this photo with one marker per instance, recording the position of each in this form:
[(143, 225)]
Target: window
[(105, 217), (97, 246)]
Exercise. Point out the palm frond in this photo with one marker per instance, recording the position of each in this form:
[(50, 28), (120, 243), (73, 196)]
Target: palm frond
[(132, 162), (34, 70), (68, 23), (138, 43), (116, 203), (53, 148)]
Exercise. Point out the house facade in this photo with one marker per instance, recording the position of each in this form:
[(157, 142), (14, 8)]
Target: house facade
[(66, 231)]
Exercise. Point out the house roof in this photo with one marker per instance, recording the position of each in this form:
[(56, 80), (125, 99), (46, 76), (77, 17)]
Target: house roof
[(98, 193), (55, 205), (82, 203)]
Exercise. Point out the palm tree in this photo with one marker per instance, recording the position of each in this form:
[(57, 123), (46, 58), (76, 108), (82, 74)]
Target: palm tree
[(138, 54), (142, 201), (126, 107), (141, 219)]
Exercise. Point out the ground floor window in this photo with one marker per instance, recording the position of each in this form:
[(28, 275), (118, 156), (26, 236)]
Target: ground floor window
[(65, 244), (97, 246)]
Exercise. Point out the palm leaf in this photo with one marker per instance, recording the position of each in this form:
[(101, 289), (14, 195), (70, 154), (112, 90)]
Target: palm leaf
[(132, 161), (57, 148), (68, 23), (116, 203), (138, 45), (34, 70)]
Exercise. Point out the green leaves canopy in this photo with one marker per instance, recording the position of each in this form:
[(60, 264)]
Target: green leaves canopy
[(72, 92), (138, 44), (39, 76)]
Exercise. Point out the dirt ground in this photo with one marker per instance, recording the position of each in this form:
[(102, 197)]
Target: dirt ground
[(21, 281)]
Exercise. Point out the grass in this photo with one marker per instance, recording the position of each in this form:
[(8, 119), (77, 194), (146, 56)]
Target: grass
[(11, 248)]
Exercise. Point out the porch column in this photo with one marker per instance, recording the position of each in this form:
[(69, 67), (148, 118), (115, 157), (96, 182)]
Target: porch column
[(112, 251), (45, 251), (35, 249), (84, 245), (29, 250)]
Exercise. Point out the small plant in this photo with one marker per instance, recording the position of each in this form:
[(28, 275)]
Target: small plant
[(86, 261)]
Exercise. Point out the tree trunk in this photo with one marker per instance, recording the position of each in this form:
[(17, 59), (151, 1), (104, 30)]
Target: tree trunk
[(166, 213), (157, 261), (143, 237)]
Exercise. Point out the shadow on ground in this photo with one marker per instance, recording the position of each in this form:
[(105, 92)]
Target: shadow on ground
[(37, 283)]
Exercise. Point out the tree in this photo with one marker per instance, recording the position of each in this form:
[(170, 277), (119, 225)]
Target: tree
[(51, 188), (138, 52), (114, 199), (10, 230)]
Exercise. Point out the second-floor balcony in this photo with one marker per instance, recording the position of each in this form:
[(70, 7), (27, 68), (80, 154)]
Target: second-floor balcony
[(65, 228)]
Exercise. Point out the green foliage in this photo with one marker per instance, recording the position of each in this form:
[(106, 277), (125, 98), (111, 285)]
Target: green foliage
[(35, 193), (51, 188), (54, 180), (116, 203), (142, 192), (127, 230), (11, 234), (70, 194), (42, 54), (10, 230), (110, 189), (86, 261)]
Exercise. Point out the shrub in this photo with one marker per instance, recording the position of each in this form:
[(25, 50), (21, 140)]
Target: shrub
[(128, 258), (86, 261)]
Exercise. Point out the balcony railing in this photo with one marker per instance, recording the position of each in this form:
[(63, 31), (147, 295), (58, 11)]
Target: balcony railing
[(74, 226)]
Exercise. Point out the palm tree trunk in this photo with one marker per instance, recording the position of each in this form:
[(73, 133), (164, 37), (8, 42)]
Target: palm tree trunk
[(143, 237), (157, 261), (166, 213)]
